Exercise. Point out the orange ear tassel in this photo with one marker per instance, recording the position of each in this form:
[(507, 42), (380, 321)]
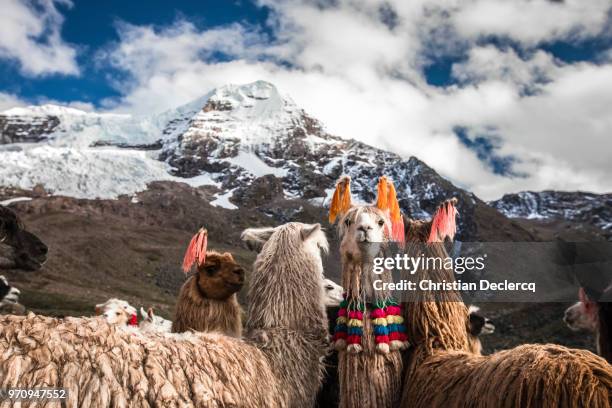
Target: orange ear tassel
[(397, 222), (382, 200), (444, 223), (341, 201), (196, 251), (387, 201)]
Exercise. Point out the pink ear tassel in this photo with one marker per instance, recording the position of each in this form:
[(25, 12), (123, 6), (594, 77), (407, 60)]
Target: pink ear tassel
[(196, 251), (443, 224)]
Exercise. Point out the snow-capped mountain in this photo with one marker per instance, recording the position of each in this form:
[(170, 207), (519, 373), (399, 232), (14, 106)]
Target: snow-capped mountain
[(593, 209), (250, 142)]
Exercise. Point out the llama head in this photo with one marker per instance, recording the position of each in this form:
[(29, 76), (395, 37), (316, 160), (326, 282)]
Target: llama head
[(8, 293), (115, 304), (577, 319), (116, 315), (220, 276), (19, 248), (153, 323), (286, 285), (582, 315), (362, 229), (479, 324), (333, 293)]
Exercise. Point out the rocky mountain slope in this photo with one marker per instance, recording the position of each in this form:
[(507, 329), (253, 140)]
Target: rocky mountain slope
[(252, 145), (579, 208)]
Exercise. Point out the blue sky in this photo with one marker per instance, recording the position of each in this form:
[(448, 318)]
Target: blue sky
[(498, 96), (91, 25)]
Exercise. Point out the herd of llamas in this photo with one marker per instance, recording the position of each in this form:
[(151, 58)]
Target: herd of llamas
[(423, 352)]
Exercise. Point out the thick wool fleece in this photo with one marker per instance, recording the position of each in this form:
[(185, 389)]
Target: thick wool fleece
[(278, 364), (106, 366), (441, 372)]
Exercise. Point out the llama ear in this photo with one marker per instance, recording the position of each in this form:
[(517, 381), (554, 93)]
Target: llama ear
[(308, 230), (255, 238), (143, 313), (98, 310), (341, 200), (150, 313)]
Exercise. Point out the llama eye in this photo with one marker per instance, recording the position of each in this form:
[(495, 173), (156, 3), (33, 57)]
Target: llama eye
[(329, 287), (347, 222), (117, 313), (381, 223)]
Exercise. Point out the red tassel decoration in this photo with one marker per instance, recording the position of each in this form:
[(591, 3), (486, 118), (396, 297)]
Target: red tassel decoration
[(196, 251), (444, 223)]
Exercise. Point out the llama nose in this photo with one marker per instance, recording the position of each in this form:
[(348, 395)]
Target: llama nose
[(364, 228)]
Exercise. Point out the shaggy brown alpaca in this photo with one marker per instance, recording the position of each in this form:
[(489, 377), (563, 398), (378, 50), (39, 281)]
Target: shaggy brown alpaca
[(441, 372), (207, 301), (277, 365), (19, 249), (370, 372)]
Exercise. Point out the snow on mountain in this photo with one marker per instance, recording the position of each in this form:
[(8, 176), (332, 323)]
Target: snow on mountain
[(594, 209), (251, 142), (43, 110)]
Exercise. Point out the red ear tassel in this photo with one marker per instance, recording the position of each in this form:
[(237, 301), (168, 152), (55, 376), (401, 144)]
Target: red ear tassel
[(443, 224), (196, 251)]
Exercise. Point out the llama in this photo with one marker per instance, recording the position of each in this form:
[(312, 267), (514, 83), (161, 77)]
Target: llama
[(117, 311), (152, 323), (19, 249), (440, 370), (277, 364), (333, 293), (369, 359), (593, 317), (207, 301), (9, 298), (577, 318), (479, 325)]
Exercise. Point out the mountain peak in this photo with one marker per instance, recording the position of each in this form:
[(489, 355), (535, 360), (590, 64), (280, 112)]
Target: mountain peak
[(259, 100), (43, 110)]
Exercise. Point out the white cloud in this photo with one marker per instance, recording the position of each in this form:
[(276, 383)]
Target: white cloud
[(363, 78), (531, 21), (8, 101), (490, 63), (30, 34)]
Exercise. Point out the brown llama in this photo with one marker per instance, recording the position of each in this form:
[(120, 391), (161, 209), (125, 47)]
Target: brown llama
[(441, 372), (207, 301), (277, 364), (369, 360)]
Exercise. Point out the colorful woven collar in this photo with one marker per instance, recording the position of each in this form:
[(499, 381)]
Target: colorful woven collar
[(387, 325)]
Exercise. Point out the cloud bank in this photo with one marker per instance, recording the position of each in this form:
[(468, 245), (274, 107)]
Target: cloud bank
[(360, 67), (30, 35)]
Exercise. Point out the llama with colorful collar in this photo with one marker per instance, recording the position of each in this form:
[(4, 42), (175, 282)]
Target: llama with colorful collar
[(369, 333)]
